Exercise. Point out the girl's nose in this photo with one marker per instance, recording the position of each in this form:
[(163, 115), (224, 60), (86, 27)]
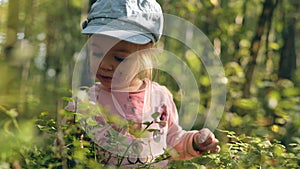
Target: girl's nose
[(106, 64)]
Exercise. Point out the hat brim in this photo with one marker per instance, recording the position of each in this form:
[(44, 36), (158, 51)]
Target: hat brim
[(126, 35)]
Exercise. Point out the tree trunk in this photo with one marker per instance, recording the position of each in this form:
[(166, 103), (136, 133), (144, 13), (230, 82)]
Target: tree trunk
[(12, 26), (287, 63), (29, 17), (267, 12), (27, 23)]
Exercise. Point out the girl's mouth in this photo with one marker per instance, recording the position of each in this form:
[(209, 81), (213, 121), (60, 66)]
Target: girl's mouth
[(104, 78)]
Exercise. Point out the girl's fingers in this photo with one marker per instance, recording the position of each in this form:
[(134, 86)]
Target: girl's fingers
[(209, 140), (213, 145), (206, 141), (210, 146), (202, 137), (216, 149)]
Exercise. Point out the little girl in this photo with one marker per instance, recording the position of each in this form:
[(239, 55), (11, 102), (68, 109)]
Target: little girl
[(135, 119)]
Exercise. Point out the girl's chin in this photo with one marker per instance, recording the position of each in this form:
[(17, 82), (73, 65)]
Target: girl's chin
[(113, 86)]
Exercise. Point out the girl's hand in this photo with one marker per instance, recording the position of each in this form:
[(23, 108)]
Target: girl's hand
[(205, 140)]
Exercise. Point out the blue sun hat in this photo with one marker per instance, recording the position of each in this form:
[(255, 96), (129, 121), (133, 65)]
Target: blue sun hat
[(135, 21)]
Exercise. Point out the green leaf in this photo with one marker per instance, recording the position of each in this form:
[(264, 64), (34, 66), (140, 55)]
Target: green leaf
[(155, 115), (242, 137), (68, 99), (12, 113), (193, 61), (91, 122), (162, 123), (204, 80), (290, 92), (147, 123), (236, 120), (41, 127), (6, 126), (274, 45), (247, 104), (44, 114), (67, 112), (152, 130), (279, 149)]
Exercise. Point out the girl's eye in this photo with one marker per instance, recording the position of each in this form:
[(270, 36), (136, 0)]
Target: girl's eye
[(98, 54), (119, 59)]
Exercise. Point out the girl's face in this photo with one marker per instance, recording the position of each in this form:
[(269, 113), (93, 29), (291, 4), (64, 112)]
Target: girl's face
[(113, 63)]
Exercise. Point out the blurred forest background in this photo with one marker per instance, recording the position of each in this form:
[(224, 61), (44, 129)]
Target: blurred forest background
[(258, 42)]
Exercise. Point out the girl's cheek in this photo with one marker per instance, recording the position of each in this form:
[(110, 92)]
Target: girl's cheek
[(122, 77), (126, 70), (94, 65), (94, 69)]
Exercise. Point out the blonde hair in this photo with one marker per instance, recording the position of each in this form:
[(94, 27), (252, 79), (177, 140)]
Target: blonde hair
[(145, 61)]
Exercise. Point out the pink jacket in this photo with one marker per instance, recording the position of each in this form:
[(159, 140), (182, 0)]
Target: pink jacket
[(152, 110)]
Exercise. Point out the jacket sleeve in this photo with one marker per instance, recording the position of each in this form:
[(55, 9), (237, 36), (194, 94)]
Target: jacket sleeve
[(178, 139)]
